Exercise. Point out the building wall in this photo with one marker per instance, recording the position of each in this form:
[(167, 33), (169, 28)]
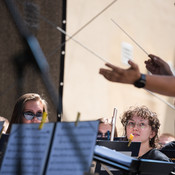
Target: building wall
[(29, 79), (150, 23)]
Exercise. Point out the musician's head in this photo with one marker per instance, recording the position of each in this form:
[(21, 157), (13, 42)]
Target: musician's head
[(28, 109), (165, 138), (104, 128), (5, 125), (143, 124)]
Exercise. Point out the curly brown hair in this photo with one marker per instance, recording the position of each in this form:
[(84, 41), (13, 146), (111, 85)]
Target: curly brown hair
[(144, 113)]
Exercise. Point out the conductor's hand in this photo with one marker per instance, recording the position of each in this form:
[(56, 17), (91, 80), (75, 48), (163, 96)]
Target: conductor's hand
[(116, 74), (157, 66)]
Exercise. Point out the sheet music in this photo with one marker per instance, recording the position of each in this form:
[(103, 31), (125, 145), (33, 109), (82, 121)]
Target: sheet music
[(73, 147), (113, 155), (115, 169), (27, 149)]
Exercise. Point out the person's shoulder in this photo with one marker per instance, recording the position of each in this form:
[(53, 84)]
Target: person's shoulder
[(155, 154), (158, 155), (169, 146)]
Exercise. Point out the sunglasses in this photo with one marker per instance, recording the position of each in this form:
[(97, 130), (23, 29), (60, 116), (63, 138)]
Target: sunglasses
[(30, 115), (104, 135)]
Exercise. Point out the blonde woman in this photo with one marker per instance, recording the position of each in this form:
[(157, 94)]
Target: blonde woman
[(29, 108)]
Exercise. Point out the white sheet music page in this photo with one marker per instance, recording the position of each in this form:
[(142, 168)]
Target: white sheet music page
[(27, 149), (72, 148)]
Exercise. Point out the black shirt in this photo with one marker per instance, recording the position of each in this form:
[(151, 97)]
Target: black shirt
[(155, 154), (169, 146), (169, 150)]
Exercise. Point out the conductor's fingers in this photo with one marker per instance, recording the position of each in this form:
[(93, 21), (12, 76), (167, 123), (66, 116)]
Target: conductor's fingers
[(133, 65)]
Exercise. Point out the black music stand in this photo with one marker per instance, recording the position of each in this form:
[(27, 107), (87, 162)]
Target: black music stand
[(132, 166), (121, 146), (115, 138), (152, 167)]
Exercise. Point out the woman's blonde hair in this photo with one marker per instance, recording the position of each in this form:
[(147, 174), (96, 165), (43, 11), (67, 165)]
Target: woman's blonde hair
[(20, 105)]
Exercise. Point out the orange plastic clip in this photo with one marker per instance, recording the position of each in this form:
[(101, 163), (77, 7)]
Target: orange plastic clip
[(130, 139), (43, 120)]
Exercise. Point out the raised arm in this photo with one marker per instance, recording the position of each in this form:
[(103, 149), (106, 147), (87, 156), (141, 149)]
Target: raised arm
[(116, 74), (164, 85), (157, 66)]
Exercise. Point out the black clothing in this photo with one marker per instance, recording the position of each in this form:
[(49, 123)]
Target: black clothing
[(169, 150), (155, 154), (3, 144), (169, 146)]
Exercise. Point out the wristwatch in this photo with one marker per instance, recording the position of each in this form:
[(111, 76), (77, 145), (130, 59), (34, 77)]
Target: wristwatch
[(140, 83)]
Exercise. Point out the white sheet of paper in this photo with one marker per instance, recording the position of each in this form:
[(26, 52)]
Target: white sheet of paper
[(27, 149), (127, 52), (73, 148)]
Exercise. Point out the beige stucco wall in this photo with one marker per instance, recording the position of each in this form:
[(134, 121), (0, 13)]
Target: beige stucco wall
[(151, 23)]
